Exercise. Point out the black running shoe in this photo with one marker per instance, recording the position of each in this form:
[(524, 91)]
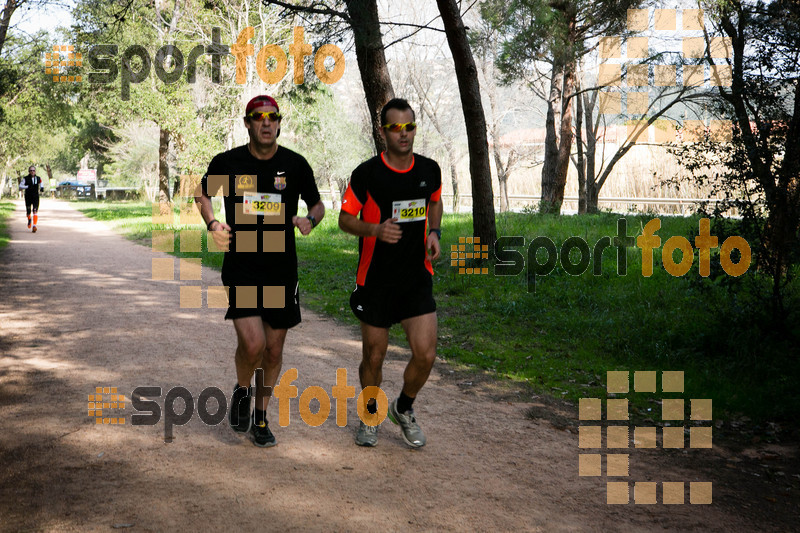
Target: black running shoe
[(240, 417), (262, 436)]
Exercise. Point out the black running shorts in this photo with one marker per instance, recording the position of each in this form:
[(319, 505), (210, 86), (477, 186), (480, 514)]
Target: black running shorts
[(266, 302), (381, 307)]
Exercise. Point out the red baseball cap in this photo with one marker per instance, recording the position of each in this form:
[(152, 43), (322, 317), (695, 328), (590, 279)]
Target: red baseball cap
[(262, 100)]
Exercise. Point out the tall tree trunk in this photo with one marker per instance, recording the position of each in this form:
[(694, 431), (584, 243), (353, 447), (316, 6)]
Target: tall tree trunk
[(494, 132), (5, 20), (504, 194), (163, 169), (469, 88), (371, 61), (334, 189), (581, 156), (566, 135), (454, 181), (550, 164), (592, 190), (451, 162), (50, 179)]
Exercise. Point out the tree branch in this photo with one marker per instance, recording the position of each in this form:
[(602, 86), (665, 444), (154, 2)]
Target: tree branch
[(312, 9)]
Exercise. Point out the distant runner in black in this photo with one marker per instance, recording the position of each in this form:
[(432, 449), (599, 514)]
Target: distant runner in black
[(32, 185)]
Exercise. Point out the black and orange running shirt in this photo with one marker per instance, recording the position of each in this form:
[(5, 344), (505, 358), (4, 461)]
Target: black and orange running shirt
[(380, 192), (261, 197)]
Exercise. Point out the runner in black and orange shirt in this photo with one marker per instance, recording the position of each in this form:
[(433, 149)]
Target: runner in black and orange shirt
[(261, 183), (398, 195)]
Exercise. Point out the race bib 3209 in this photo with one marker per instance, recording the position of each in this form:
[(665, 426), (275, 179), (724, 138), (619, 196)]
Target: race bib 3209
[(261, 204)]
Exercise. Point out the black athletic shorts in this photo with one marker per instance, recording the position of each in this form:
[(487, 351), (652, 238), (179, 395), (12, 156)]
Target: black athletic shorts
[(383, 306), (278, 308), (31, 201)]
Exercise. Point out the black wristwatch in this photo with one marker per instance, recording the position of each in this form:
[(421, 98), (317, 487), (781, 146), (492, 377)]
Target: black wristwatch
[(313, 221), (437, 231), (208, 226)]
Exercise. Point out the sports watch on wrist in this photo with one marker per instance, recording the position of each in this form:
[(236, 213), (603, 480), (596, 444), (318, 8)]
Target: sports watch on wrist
[(437, 231)]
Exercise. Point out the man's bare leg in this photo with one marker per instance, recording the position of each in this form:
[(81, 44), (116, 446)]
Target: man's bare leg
[(421, 333), (271, 362), (374, 343)]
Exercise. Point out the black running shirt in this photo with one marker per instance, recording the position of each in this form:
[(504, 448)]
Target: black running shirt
[(31, 185), (260, 197), (379, 192)]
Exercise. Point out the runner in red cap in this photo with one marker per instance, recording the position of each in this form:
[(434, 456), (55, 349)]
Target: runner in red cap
[(261, 183)]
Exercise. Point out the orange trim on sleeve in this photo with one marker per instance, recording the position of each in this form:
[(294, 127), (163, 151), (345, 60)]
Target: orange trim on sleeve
[(371, 214), (350, 203), (437, 195)]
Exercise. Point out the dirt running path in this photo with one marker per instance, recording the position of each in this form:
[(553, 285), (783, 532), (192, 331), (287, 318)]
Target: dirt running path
[(79, 310)]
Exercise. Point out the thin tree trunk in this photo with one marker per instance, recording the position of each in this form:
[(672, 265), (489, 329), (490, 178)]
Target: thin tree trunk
[(591, 151), (550, 164), (582, 200), (163, 169), (371, 61), (5, 20), (469, 88), (333, 188), (454, 182), (566, 136)]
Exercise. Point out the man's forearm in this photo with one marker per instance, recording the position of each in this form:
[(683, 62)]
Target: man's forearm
[(317, 211), (352, 225), (435, 212), (206, 207)]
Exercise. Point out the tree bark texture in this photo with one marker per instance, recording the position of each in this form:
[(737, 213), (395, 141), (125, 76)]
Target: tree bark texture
[(483, 216), (371, 62), (163, 169)]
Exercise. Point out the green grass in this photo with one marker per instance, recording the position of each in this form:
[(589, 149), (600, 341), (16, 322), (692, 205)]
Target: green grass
[(6, 208), (561, 334)]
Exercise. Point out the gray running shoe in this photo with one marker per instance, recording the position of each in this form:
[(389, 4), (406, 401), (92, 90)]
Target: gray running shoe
[(412, 433), (367, 435)]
